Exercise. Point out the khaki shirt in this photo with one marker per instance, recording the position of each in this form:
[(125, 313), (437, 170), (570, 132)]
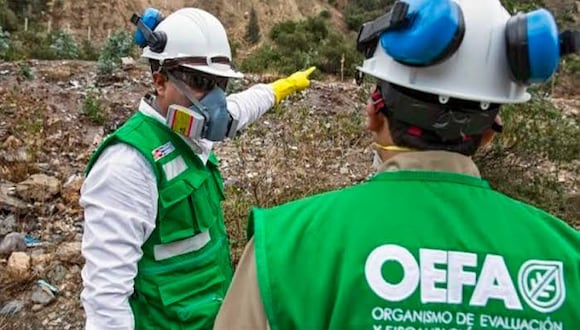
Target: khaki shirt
[(243, 308)]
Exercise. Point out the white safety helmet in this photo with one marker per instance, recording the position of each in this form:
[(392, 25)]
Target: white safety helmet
[(197, 40), (485, 64)]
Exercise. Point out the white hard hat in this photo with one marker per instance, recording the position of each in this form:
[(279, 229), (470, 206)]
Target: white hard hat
[(197, 40), (479, 68)]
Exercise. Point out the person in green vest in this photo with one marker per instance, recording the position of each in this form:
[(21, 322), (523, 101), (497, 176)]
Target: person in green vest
[(425, 243), (155, 244)]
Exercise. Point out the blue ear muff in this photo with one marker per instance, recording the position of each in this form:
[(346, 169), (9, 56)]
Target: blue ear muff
[(533, 46), (145, 36), (434, 31)]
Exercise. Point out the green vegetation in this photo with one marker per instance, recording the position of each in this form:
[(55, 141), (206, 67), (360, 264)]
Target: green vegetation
[(359, 11), (527, 161), (58, 44), (119, 45), (24, 71), (253, 30), (94, 110), (297, 45)]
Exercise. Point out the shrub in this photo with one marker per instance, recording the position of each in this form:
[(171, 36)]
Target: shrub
[(331, 53), (299, 44), (571, 65), (33, 44), (514, 6), (25, 71), (538, 145), (93, 109), (8, 20), (325, 14), (359, 11), (4, 43), (63, 45), (88, 51), (253, 30), (119, 45), (261, 59)]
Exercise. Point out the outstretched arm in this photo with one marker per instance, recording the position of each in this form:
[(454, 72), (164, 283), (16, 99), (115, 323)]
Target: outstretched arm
[(251, 104)]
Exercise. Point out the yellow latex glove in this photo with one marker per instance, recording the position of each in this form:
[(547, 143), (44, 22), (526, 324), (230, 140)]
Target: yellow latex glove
[(294, 83)]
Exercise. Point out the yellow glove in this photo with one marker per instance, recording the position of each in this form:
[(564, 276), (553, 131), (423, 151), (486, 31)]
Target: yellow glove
[(294, 83)]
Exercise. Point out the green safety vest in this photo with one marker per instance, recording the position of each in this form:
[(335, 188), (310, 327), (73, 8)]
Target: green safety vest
[(186, 267), (413, 250)]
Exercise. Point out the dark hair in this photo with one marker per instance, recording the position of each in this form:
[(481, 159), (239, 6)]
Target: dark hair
[(154, 64), (430, 141)]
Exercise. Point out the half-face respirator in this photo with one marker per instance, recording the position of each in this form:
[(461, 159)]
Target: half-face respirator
[(208, 119)]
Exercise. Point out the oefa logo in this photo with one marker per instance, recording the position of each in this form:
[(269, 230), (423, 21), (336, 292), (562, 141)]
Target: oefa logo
[(541, 283)]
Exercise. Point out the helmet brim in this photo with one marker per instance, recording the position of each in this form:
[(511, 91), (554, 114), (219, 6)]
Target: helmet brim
[(215, 69)]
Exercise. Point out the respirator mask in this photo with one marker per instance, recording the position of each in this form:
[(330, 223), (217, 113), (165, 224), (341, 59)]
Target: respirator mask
[(207, 118)]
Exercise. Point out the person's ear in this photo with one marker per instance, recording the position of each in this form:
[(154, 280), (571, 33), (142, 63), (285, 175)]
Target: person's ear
[(375, 119), (489, 134), (160, 82), (487, 138)]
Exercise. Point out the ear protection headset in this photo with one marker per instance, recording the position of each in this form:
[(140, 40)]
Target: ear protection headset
[(534, 47), (422, 33), (415, 32), (145, 34)]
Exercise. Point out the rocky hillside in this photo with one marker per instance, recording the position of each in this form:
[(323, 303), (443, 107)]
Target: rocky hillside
[(105, 15)]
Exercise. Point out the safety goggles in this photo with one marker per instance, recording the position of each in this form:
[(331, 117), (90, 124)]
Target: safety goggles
[(199, 80)]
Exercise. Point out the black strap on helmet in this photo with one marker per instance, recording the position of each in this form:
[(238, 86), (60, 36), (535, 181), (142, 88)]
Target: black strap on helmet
[(369, 33), (450, 121), (155, 40)]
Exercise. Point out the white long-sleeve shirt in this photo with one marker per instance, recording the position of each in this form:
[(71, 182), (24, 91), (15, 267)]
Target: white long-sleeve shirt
[(119, 198)]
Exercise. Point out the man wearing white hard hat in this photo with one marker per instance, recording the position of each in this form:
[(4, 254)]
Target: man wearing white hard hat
[(425, 243), (156, 249)]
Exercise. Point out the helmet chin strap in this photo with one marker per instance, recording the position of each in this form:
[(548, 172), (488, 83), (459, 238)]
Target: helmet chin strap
[(391, 147)]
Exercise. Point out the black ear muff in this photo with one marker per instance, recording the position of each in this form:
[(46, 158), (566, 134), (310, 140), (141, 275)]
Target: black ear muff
[(516, 37), (158, 41), (145, 34)]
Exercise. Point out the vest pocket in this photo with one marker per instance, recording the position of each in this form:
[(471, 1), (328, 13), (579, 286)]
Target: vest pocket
[(205, 209), (189, 288), (202, 313), (186, 207), (176, 221), (196, 297)]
